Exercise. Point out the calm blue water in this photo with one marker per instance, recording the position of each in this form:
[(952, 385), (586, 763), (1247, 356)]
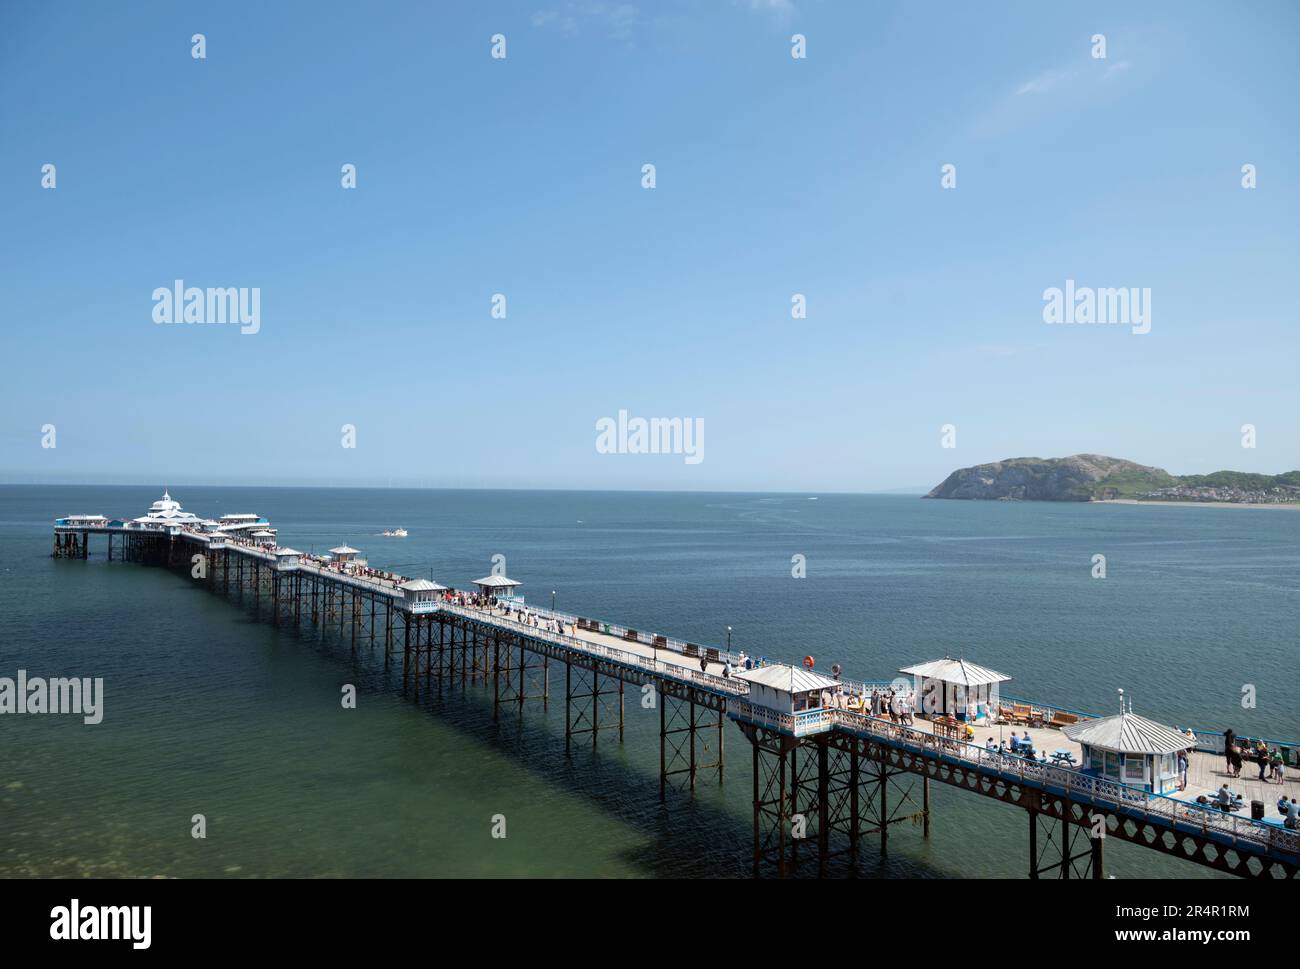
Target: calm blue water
[(209, 711)]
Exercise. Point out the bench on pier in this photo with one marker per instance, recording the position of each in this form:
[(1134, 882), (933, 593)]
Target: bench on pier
[(1062, 719), (711, 655), (661, 642), (691, 650), (631, 636)]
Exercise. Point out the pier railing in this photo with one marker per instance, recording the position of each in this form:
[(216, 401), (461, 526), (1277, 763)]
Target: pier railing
[(716, 684), (795, 724)]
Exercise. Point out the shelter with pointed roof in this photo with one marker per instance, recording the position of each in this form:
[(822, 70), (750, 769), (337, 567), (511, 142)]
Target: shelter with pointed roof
[(1131, 749), (286, 557), (345, 554), (499, 586), (420, 594), (788, 689), (955, 687)]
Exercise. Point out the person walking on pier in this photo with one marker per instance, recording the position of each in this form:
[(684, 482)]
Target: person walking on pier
[(1182, 770), (1229, 746)]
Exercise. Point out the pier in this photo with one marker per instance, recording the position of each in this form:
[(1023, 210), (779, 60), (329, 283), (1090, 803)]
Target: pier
[(830, 777)]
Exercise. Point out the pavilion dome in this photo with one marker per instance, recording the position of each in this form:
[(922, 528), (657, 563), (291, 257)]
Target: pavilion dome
[(165, 503)]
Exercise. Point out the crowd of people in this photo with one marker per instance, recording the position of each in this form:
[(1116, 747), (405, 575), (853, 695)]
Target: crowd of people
[(1269, 759)]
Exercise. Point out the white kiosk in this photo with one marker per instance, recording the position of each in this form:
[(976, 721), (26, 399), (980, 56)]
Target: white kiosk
[(1130, 749), (421, 595), (788, 689), (499, 586), (286, 558)]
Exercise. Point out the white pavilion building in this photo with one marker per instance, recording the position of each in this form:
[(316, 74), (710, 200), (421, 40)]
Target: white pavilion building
[(166, 512), (955, 687)]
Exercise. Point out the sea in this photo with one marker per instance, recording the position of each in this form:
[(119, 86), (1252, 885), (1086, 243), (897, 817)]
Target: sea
[(209, 712)]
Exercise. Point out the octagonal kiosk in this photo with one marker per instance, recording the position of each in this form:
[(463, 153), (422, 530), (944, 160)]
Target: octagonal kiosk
[(286, 558), (788, 699), (1131, 749)]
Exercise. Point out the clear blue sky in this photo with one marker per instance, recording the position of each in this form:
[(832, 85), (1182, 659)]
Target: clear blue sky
[(775, 176)]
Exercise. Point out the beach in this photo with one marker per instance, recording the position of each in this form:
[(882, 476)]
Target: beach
[(1293, 505)]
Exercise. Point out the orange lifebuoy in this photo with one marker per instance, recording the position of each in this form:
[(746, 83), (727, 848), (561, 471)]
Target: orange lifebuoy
[(808, 662)]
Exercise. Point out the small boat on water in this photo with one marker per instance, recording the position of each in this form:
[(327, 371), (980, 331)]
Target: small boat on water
[(394, 532)]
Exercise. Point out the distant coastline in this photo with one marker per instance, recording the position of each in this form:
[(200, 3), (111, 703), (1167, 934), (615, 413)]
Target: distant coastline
[(1096, 477)]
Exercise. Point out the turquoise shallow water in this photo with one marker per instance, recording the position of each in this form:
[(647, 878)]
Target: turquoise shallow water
[(209, 711)]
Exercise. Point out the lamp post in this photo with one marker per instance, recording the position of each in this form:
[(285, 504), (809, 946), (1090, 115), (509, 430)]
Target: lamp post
[(728, 642), (552, 602)]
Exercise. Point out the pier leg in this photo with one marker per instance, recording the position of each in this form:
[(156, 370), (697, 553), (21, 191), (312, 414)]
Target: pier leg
[(884, 806), (692, 742), (568, 706), (428, 659), (523, 689), (1064, 829), (406, 647), (823, 806), (1033, 844), (855, 818), (420, 629), (496, 678), (663, 739), (925, 805)]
